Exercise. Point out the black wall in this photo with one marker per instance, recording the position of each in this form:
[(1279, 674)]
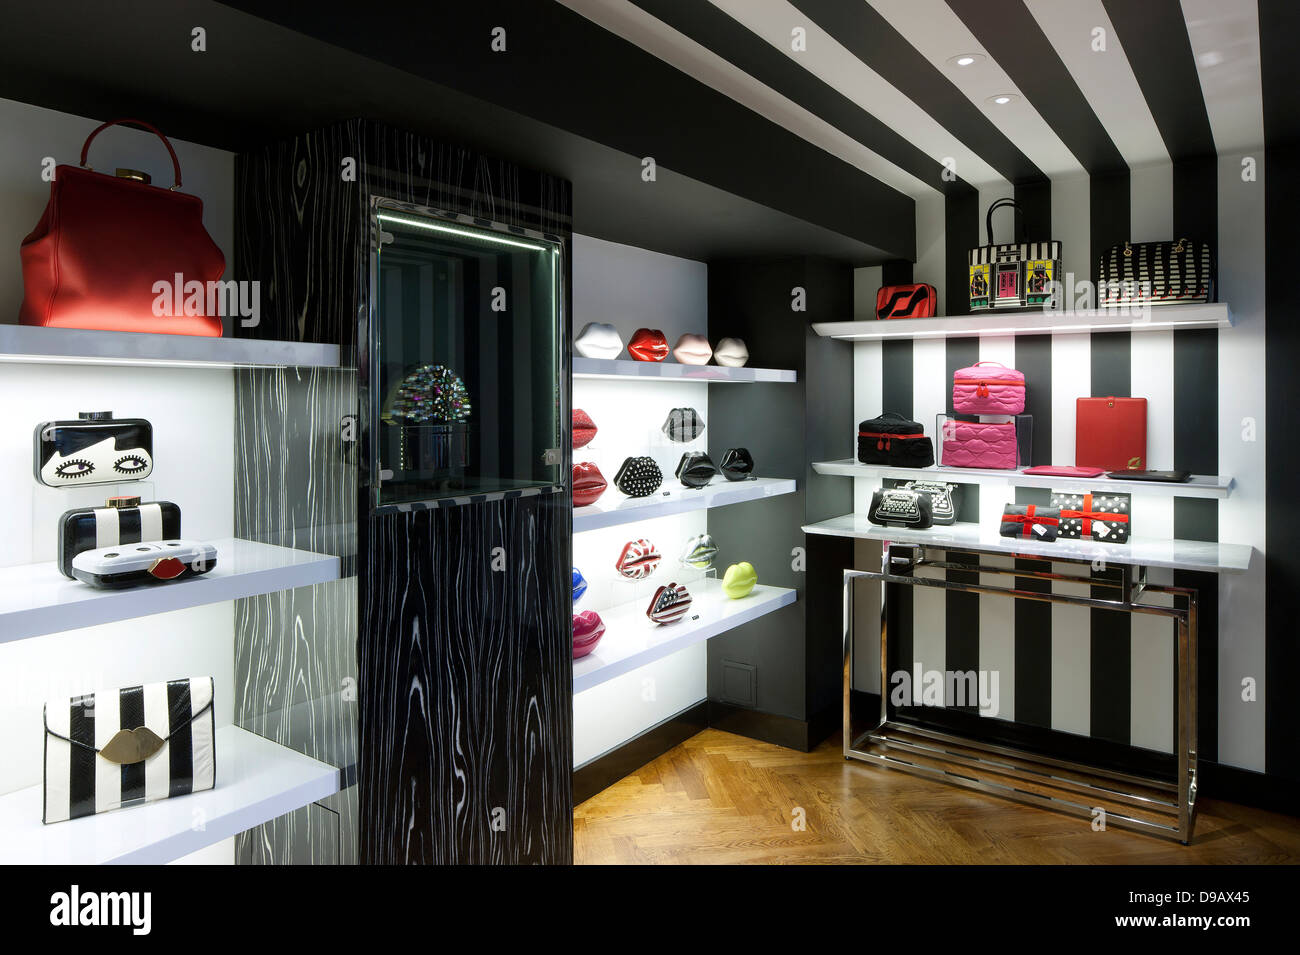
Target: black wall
[(779, 677)]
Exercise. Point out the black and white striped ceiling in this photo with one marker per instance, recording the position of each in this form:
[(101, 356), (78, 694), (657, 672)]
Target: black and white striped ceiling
[(999, 92)]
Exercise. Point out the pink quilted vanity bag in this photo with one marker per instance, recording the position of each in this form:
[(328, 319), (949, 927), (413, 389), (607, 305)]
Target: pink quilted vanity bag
[(988, 387), (979, 444)]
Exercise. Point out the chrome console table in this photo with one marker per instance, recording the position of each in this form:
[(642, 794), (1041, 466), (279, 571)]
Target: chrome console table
[(1165, 807)]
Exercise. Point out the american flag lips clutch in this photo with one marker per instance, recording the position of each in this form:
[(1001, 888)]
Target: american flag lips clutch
[(639, 559), (669, 604)]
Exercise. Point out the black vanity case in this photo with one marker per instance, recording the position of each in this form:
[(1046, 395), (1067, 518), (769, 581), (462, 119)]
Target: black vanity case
[(895, 441), (95, 448), (122, 520)]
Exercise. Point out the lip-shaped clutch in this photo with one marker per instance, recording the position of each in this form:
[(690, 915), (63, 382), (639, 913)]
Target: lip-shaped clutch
[(648, 344), (699, 552), (739, 580), (638, 477), (584, 429), (588, 628), (579, 585), (693, 350), (737, 464), (638, 559), (683, 425), (731, 352), (598, 340), (695, 469), (669, 604), (588, 484)]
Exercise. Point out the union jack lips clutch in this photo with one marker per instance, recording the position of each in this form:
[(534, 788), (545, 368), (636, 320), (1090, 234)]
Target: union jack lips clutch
[(669, 604), (638, 559)]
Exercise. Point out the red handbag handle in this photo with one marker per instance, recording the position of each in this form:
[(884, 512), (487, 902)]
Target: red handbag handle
[(176, 163)]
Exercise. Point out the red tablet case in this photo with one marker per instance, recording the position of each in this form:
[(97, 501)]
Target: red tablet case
[(1111, 433)]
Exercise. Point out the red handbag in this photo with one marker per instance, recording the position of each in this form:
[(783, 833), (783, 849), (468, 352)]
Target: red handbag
[(906, 301), (119, 254)]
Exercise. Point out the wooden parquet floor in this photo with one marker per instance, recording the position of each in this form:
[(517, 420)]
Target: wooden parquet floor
[(724, 799)]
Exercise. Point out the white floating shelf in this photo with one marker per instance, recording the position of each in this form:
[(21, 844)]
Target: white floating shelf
[(257, 780), (1200, 485), (994, 324), (30, 343), (672, 371), (1209, 556), (36, 599), (624, 510), (632, 641)]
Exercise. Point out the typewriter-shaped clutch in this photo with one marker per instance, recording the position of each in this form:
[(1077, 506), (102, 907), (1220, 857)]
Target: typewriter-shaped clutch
[(900, 507), (944, 499)]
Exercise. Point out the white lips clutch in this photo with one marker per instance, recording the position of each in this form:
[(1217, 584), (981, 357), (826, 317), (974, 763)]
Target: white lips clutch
[(598, 340), (731, 352), (692, 350)]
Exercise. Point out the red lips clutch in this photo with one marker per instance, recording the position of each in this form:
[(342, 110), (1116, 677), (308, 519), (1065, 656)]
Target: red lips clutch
[(648, 344), (584, 429), (588, 484), (588, 628)]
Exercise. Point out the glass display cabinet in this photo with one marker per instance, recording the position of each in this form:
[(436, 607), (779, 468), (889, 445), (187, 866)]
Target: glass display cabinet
[(464, 350)]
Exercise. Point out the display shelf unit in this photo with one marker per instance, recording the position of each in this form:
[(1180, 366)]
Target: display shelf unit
[(30, 343), (676, 501), (1208, 556), (632, 641), (257, 781), (672, 371), (1200, 485), (995, 324), (36, 599)]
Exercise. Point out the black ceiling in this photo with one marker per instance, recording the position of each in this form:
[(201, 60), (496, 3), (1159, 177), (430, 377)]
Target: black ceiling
[(567, 97)]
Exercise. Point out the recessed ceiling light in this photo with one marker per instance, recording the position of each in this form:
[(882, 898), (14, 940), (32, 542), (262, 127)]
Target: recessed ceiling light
[(1002, 99), (965, 59)]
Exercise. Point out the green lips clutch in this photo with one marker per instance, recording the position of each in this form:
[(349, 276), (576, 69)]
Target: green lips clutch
[(739, 580)]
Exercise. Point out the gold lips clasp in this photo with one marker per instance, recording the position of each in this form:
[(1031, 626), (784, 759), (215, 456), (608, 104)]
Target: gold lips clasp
[(132, 746)]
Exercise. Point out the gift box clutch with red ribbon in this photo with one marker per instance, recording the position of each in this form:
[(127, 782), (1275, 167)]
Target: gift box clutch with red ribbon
[(1101, 517), (1031, 521)]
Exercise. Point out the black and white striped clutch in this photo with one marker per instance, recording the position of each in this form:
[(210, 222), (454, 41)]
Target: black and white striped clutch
[(118, 748), (122, 520)]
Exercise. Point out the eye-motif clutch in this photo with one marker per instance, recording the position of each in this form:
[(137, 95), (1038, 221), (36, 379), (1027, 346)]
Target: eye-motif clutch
[(94, 449), (638, 560), (638, 477), (683, 425), (695, 469), (117, 748), (669, 604), (700, 552), (737, 464)]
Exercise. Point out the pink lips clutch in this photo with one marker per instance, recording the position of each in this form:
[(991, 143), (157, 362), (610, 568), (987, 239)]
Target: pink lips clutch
[(588, 628)]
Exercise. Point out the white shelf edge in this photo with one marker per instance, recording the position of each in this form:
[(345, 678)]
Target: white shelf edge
[(627, 623), (677, 501), (1207, 556), (1201, 485), (257, 781), (672, 371), (56, 604), (994, 324), (29, 343)]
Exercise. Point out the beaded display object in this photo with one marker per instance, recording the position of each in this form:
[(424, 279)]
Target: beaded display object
[(432, 394)]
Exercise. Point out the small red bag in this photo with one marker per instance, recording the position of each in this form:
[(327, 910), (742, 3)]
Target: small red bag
[(103, 248), (906, 301)]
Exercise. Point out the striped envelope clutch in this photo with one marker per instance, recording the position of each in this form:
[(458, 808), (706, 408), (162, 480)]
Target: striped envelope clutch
[(118, 748)]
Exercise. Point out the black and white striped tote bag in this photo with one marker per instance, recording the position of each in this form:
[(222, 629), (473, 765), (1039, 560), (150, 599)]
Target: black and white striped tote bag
[(117, 748)]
